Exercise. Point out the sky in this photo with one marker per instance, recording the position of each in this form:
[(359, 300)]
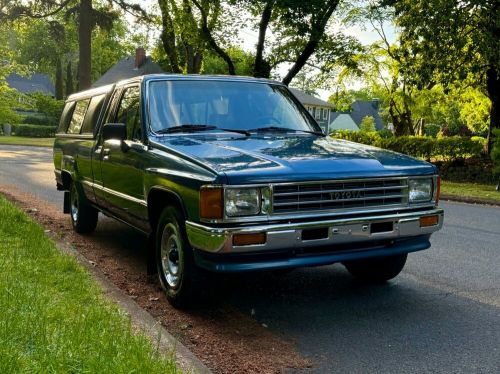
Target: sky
[(248, 39)]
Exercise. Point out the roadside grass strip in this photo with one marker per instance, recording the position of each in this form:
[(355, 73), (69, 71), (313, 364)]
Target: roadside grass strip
[(470, 190), (54, 317), (21, 140)]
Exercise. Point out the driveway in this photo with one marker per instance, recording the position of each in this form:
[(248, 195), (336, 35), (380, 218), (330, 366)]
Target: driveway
[(441, 315)]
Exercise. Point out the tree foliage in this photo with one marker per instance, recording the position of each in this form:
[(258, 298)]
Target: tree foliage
[(367, 124), (453, 39)]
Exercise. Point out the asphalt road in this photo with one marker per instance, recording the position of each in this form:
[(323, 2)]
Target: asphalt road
[(441, 315)]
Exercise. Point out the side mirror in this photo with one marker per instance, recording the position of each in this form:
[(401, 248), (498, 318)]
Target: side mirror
[(116, 131)]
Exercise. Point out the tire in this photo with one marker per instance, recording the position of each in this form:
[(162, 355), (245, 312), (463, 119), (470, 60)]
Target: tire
[(179, 276), (377, 270), (83, 215)]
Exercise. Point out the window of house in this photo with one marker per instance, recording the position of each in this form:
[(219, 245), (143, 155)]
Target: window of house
[(325, 114), (317, 114), (78, 115), (93, 112), (129, 113)]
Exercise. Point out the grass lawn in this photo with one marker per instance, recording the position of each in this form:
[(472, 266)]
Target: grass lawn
[(470, 190), (53, 316), (19, 140)]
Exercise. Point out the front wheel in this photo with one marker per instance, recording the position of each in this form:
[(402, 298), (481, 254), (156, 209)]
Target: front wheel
[(83, 215), (377, 270), (179, 275)]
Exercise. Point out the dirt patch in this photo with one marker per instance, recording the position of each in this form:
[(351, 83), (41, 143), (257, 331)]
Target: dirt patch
[(225, 339)]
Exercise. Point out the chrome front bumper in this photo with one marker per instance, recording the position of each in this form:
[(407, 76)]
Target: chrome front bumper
[(289, 235)]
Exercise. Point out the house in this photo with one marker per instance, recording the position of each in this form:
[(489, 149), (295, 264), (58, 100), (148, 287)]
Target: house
[(129, 67), (342, 121), (321, 110), (362, 108), (351, 120), (35, 83)]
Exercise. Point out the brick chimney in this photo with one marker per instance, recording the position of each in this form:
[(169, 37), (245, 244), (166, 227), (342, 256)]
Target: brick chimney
[(140, 57)]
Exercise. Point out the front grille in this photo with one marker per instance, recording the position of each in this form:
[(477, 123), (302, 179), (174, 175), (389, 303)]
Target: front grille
[(340, 195)]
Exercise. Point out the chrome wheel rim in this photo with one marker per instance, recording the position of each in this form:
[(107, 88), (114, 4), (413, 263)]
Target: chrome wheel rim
[(171, 255), (74, 204)]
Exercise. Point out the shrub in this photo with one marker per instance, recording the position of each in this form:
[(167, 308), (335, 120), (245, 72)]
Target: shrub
[(34, 131), (495, 153), (367, 124), (447, 148), (386, 133), (48, 105), (369, 138), (37, 120), (432, 130)]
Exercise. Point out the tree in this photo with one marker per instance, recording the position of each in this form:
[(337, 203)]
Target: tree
[(59, 80), (454, 39), (69, 79), (8, 96), (343, 98), (88, 17), (302, 35), (367, 124), (186, 32)]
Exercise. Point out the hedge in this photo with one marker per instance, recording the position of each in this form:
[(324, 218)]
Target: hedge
[(34, 131), (426, 147), (42, 121)]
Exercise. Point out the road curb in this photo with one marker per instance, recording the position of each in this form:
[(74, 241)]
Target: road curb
[(141, 319), (469, 200)]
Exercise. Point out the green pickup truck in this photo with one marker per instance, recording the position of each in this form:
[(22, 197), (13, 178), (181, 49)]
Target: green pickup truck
[(232, 174)]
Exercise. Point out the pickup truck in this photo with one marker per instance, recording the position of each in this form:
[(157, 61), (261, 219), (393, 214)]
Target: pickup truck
[(233, 174)]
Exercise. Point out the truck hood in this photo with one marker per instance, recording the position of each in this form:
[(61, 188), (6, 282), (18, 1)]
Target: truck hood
[(259, 158)]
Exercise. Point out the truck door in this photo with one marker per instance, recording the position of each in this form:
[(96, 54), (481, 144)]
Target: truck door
[(122, 165)]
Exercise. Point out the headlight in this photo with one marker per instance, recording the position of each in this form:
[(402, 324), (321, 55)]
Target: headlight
[(420, 190), (242, 201)]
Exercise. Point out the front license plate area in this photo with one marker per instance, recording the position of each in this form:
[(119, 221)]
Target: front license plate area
[(378, 227)]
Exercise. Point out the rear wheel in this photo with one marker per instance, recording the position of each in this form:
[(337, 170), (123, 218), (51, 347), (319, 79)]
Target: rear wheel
[(377, 270), (179, 275), (83, 215)]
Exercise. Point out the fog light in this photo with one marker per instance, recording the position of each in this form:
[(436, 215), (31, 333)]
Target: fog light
[(429, 221), (249, 239)]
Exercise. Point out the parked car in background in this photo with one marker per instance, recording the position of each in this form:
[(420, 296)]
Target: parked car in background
[(232, 174)]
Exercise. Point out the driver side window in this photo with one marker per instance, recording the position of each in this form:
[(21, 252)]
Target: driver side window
[(129, 113)]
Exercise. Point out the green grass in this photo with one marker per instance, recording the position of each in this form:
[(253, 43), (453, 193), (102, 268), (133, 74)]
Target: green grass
[(19, 140), (53, 316), (470, 190)]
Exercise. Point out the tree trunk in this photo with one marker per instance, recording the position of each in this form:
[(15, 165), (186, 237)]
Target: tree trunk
[(493, 89), (85, 45), (59, 80), (69, 79), (301, 61), (261, 68), (167, 37)]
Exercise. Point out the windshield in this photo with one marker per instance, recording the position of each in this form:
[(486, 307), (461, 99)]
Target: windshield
[(225, 105)]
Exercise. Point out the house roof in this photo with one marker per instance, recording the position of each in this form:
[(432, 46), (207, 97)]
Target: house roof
[(125, 68), (35, 83), (307, 99), (343, 121), (363, 108)]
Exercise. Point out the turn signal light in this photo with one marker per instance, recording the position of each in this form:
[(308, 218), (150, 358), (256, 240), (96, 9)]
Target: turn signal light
[(438, 192), (211, 203), (249, 239), (429, 221)]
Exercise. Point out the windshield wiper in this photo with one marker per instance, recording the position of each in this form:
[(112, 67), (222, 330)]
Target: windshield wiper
[(185, 128), (284, 129), (197, 127)]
